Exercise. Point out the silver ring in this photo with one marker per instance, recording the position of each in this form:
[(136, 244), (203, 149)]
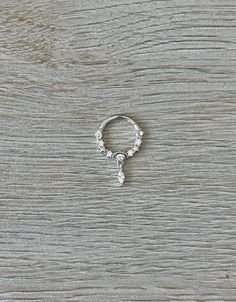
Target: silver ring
[(119, 156)]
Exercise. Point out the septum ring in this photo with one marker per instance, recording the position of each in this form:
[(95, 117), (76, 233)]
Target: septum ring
[(119, 156)]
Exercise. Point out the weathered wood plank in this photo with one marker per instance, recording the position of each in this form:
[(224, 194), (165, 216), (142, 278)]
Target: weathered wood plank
[(68, 233)]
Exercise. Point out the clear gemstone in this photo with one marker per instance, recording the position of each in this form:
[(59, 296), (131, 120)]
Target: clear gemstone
[(138, 142), (98, 134), (109, 154), (121, 177), (120, 157), (101, 144), (130, 152), (141, 133), (136, 148)]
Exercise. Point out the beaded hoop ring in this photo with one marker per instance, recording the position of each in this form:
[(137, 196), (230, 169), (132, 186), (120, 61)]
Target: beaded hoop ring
[(119, 156)]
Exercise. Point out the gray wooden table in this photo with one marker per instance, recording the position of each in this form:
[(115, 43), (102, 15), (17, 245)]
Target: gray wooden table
[(67, 231)]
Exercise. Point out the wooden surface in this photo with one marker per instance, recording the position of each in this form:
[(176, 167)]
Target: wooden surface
[(67, 232)]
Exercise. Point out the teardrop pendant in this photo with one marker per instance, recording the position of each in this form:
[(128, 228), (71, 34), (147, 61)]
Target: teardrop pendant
[(121, 177), (120, 159)]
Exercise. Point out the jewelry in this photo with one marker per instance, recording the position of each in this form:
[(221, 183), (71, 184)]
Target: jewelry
[(119, 156)]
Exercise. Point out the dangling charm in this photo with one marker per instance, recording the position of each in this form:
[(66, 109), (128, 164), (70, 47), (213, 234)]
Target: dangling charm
[(120, 157)]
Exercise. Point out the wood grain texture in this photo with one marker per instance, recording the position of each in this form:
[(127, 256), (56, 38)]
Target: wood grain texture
[(67, 232)]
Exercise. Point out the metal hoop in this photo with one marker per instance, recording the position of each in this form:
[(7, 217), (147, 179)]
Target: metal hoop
[(119, 156)]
